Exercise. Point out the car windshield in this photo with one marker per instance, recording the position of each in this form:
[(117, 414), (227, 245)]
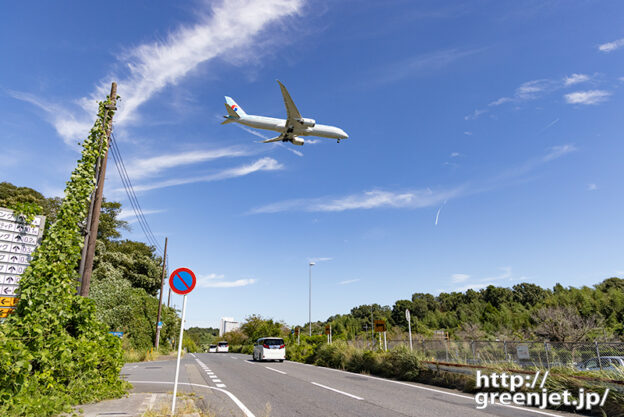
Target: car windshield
[(213, 346), (273, 342), (223, 344)]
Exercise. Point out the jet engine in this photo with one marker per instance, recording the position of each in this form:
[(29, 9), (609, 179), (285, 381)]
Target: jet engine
[(307, 122), (297, 141)]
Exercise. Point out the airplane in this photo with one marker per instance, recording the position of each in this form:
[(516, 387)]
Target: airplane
[(290, 129)]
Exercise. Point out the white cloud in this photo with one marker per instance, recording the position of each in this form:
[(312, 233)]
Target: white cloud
[(530, 89), (587, 97), (365, 201), (592, 187), (500, 101), (227, 284), (467, 133), (230, 32), (263, 164), (475, 114), (455, 154), (611, 46), (410, 199), (147, 167), (467, 287), (216, 281), (129, 214), (349, 281), (457, 278), (320, 259), (575, 79)]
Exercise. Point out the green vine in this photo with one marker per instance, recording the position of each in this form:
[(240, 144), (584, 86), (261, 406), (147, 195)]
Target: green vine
[(27, 211), (54, 353)]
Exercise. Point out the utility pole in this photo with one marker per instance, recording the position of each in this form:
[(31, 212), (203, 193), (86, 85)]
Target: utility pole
[(87, 268), (162, 283), (169, 298), (310, 298)]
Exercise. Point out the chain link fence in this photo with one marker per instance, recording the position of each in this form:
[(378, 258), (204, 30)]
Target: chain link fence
[(525, 354)]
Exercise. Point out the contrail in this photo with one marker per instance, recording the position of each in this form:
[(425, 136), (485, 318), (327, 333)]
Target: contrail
[(549, 125), (438, 213)]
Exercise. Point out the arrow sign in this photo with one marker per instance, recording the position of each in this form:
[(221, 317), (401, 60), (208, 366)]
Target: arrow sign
[(5, 301), (407, 315)]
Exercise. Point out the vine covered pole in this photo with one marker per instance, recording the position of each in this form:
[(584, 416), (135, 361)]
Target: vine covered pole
[(97, 200), (162, 283)]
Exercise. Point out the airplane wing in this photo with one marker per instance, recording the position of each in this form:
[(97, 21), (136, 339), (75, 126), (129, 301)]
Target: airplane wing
[(291, 109), (279, 138)]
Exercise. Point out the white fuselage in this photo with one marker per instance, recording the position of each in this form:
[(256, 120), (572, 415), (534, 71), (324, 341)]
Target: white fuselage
[(279, 125)]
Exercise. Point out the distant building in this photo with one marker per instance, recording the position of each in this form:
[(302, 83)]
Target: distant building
[(227, 325)]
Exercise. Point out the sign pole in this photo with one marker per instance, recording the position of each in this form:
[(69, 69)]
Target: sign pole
[(409, 327), (175, 385), (385, 342)]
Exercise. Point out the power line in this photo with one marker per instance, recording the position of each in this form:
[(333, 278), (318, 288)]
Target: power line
[(134, 202)]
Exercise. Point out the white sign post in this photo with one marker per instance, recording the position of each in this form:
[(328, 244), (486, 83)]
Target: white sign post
[(181, 281), (175, 385), (409, 326)]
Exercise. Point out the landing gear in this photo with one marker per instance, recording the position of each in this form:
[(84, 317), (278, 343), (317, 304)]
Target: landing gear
[(338, 141)]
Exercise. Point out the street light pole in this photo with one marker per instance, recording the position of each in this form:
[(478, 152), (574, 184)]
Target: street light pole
[(311, 264)]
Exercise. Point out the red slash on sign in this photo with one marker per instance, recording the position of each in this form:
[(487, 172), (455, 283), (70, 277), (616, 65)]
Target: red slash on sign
[(182, 281)]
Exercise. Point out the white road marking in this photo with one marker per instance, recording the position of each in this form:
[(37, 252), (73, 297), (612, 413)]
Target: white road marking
[(338, 391), (221, 385), (276, 370), (238, 402), (216, 380), (467, 397), (233, 357)]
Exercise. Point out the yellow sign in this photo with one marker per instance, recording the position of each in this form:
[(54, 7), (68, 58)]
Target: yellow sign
[(380, 326), (8, 301), (4, 312)]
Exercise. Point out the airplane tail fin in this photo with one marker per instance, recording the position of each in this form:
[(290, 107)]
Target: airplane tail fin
[(233, 108)]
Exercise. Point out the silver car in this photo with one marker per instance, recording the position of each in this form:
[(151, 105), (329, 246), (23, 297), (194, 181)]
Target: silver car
[(607, 363)]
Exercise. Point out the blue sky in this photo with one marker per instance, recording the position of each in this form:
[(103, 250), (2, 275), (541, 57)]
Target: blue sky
[(485, 140)]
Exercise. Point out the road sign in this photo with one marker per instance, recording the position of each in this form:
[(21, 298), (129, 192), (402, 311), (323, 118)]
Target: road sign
[(118, 334), (296, 331), (407, 315), (182, 281), (327, 329), (18, 241), (380, 326), (160, 324)]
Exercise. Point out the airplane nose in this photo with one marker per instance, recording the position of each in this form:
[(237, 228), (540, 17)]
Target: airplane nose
[(344, 134)]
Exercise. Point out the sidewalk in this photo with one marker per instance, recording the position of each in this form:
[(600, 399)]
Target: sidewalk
[(141, 404)]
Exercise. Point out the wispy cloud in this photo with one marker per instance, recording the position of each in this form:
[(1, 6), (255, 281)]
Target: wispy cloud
[(285, 146), (217, 281), (587, 97), (229, 30), (147, 167), (549, 125), (365, 201), (592, 187), (348, 281), (457, 278), (475, 114), (422, 64), (611, 46), (411, 199), (131, 216), (575, 79), (321, 259), (263, 164)]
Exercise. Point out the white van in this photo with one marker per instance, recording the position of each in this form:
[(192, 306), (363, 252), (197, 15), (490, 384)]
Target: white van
[(223, 347), (269, 349)]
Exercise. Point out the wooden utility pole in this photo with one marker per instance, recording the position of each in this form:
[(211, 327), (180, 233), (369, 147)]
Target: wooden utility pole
[(97, 200), (162, 283)]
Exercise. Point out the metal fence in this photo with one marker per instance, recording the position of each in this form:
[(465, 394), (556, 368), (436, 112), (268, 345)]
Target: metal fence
[(522, 353)]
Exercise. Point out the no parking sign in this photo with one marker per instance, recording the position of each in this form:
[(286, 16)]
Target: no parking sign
[(181, 281)]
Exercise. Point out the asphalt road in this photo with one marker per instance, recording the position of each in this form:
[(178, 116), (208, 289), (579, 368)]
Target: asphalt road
[(233, 385)]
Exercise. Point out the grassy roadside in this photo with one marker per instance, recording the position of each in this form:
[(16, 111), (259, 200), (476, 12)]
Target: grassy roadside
[(401, 364)]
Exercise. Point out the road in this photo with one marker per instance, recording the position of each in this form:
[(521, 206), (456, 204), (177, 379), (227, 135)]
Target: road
[(233, 385)]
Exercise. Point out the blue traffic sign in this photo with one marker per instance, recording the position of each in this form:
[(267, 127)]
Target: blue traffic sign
[(118, 334), (182, 281)]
